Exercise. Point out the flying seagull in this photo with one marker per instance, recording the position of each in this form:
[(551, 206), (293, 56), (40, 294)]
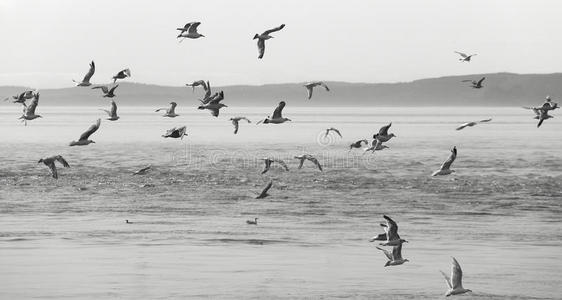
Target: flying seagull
[(22, 97), (265, 36), (394, 258), (112, 113), (83, 140), (214, 105), (107, 92), (142, 171), (197, 83), (465, 57), (86, 80), (541, 115), (313, 159), (475, 84), (376, 145), (235, 122), (334, 130), (470, 124), (268, 162), (446, 166), (277, 116), (358, 144), (189, 31), (264, 193), (311, 85), (383, 135), (29, 111), (50, 162), (121, 75), (391, 229), (455, 281), (175, 133), (170, 112), (254, 222)]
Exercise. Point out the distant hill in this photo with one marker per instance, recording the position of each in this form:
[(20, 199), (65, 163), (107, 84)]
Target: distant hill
[(500, 89)]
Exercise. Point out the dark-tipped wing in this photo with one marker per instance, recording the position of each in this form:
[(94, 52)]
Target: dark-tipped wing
[(447, 279), (479, 83), (325, 86), (277, 113), (84, 136), (112, 90), (336, 131), (265, 190), (456, 274), (267, 162), (62, 161), (261, 47), (219, 98), (309, 89), (397, 252), (315, 161), (193, 27), (387, 253), (462, 54), (447, 164), (384, 129), (104, 88), (90, 72), (274, 29), (53, 170), (392, 229), (31, 107)]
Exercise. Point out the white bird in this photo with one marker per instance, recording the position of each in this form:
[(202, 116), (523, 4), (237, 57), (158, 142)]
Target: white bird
[(470, 124), (107, 92), (235, 122), (309, 157), (88, 76), (264, 193), (112, 113), (446, 166), (50, 162), (334, 130), (277, 116), (142, 171), (311, 85), (383, 135), (191, 29), (268, 162), (170, 112), (455, 281), (214, 104), (29, 111), (175, 133), (254, 222), (265, 36), (121, 75), (83, 139), (465, 57), (394, 258), (391, 229)]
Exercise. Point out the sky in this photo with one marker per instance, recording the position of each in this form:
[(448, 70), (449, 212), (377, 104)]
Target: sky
[(46, 44)]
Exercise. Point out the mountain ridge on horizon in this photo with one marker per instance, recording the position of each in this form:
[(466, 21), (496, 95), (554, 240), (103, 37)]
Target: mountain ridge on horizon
[(500, 89)]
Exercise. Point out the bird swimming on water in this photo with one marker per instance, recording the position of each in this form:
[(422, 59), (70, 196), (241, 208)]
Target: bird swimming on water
[(235, 121), (277, 116), (309, 157), (176, 132), (446, 166), (112, 113), (83, 139), (254, 222), (470, 124), (265, 36), (170, 112), (121, 75), (464, 56), (107, 92), (88, 76), (455, 281), (189, 31), (50, 162), (29, 111), (311, 85), (264, 193)]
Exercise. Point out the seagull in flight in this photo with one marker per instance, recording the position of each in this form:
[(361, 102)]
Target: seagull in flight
[(268, 162), (29, 111), (465, 57), (311, 85), (476, 84), (265, 36), (50, 162), (455, 281), (189, 31), (334, 130), (112, 113), (277, 116), (107, 92), (446, 166), (214, 105), (383, 135), (175, 133), (22, 97), (83, 139), (470, 124), (170, 112), (264, 193), (197, 83), (121, 75), (235, 122), (358, 144), (88, 76), (313, 159), (541, 115), (394, 257), (391, 229)]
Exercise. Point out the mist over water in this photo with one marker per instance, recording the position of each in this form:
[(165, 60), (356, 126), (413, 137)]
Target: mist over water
[(499, 214)]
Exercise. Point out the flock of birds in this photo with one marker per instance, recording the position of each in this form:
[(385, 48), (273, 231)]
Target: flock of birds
[(212, 102)]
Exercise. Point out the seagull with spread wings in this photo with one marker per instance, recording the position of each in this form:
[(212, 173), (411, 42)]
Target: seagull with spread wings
[(189, 31), (107, 92), (309, 157), (87, 77), (470, 124), (464, 56), (277, 116), (265, 36), (235, 121), (176, 132), (121, 75), (358, 144), (383, 134), (29, 111), (455, 281), (50, 162), (83, 139), (446, 166), (391, 229), (475, 84), (311, 85), (170, 112), (112, 113), (328, 130), (22, 97), (214, 104)]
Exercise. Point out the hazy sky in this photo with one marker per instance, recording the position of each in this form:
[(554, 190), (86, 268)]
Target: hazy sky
[(48, 43)]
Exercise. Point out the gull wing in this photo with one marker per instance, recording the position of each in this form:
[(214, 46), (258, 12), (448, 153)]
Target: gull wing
[(219, 98), (336, 131), (463, 126), (447, 279), (267, 162), (486, 120), (282, 163), (397, 252), (309, 89), (274, 29), (84, 136), (387, 253), (315, 161), (447, 164), (103, 88), (277, 113), (112, 90), (235, 123), (462, 54), (193, 27), (31, 108), (324, 86), (62, 161), (90, 72), (53, 170), (263, 193), (480, 81), (380, 237), (456, 274), (113, 108), (261, 47), (182, 131), (384, 129), (392, 229)]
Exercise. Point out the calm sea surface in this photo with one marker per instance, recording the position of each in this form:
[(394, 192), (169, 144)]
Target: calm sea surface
[(500, 214)]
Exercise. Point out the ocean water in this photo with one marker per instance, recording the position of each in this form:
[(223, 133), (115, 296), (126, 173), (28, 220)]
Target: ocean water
[(499, 214)]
